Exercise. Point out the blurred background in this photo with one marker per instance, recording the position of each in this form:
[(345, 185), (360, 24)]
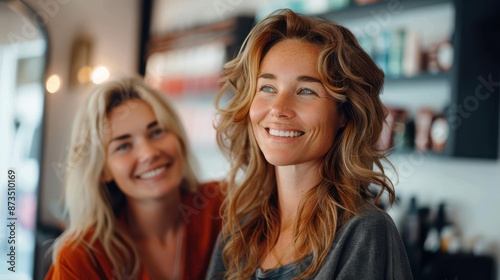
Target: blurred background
[(442, 65)]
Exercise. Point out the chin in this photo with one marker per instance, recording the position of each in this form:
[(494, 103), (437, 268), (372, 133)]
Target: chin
[(278, 160)]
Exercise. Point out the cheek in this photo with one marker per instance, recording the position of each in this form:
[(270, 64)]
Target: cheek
[(255, 117), (257, 110), (117, 167), (328, 125), (180, 155), (173, 147)]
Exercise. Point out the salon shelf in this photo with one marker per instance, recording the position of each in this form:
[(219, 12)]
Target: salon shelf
[(475, 64), (424, 77), (230, 32), (360, 11)]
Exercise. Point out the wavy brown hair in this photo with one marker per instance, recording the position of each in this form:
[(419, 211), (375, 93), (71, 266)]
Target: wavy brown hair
[(94, 207), (350, 167)]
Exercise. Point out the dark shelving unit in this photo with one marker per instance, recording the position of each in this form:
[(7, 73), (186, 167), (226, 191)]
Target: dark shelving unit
[(477, 58)]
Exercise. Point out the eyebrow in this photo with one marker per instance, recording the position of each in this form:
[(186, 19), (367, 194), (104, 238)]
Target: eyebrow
[(302, 78), (125, 136)]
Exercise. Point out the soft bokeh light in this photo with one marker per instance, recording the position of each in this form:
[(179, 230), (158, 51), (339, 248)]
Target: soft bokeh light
[(99, 74), (84, 75), (53, 84)]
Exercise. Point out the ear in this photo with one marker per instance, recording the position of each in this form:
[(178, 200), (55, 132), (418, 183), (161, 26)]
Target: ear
[(106, 175)]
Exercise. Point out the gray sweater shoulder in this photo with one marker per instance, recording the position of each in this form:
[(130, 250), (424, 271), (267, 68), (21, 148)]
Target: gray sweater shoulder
[(368, 246)]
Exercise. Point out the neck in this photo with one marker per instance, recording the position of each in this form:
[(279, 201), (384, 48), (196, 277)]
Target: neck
[(149, 219), (293, 182)]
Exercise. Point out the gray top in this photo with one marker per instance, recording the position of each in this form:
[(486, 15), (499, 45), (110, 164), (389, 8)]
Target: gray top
[(366, 247)]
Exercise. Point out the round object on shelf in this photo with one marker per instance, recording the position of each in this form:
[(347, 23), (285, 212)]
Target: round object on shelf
[(439, 134), (444, 56)]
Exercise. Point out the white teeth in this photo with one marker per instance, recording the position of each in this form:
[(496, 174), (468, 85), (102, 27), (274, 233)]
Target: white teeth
[(282, 133), (152, 173)]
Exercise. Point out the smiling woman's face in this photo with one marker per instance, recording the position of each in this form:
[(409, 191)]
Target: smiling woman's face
[(144, 160), (293, 117)]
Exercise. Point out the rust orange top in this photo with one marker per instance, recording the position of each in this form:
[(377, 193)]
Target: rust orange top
[(200, 211)]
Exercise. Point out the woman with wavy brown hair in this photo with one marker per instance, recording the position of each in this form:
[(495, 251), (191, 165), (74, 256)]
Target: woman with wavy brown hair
[(301, 133)]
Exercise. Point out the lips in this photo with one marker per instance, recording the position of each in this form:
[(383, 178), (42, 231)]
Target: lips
[(154, 172), (285, 133)]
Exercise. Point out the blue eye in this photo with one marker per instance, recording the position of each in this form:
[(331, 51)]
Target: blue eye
[(306, 91), (123, 147), (266, 89), (156, 132)]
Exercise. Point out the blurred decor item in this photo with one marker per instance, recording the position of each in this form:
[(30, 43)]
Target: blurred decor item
[(444, 56), (439, 57), (411, 236), (403, 130), (442, 229), (338, 4), (81, 55), (412, 54), (381, 50), (396, 52), (364, 2), (422, 129), (386, 136), (432, 131), (398, 133), (440, 131)]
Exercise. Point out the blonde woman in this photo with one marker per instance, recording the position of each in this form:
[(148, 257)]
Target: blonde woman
[(301, 133), (136, 209)]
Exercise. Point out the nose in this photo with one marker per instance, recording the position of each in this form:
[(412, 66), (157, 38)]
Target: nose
[(147, 151), (282, 106)]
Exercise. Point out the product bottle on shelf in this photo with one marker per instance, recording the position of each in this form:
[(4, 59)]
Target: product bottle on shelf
[(411, 237)]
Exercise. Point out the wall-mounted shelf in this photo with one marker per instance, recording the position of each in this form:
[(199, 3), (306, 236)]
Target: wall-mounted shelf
[(230, 32), (424, 77), (357, 11), (187, 63)]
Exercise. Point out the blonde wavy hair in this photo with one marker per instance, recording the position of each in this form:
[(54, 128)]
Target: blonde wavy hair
[(93, 206), (350, 167)]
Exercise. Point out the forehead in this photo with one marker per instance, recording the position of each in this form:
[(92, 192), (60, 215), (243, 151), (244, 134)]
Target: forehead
[(292, 53), (130, 116)]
